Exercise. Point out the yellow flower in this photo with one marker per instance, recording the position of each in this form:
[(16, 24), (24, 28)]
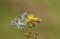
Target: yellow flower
[(31, 18)]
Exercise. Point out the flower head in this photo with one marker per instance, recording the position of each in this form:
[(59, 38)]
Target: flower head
[(31, 18)]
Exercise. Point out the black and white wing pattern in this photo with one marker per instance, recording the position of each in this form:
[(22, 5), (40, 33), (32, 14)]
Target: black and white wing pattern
[(20, 21)]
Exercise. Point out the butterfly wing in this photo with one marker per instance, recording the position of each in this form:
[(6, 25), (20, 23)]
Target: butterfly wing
[(20, 21), (24, 17)]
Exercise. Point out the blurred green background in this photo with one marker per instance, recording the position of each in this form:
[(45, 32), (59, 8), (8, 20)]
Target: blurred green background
[(47, 10)]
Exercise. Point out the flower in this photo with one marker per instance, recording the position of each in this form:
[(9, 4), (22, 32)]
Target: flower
[(31, 18), (27, 34)]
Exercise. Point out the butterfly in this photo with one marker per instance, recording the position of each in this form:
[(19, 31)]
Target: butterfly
[(20, 22)]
